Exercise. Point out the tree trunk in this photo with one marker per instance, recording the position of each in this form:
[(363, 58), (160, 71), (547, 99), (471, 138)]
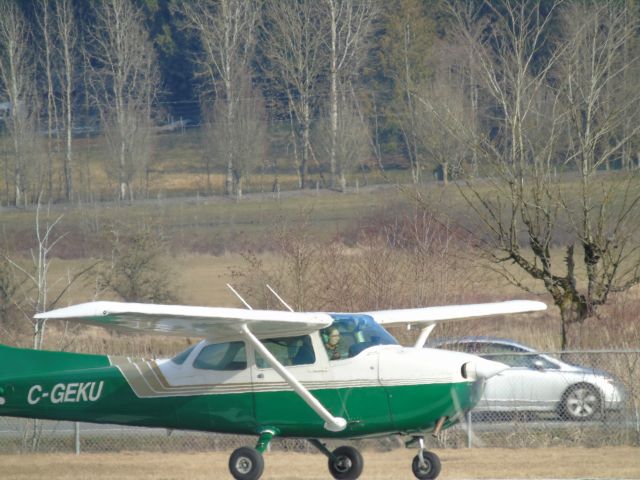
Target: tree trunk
[(333, 96), (305, 144)]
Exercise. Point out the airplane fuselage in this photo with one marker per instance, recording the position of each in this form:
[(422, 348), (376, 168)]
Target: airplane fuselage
[(383, 389)]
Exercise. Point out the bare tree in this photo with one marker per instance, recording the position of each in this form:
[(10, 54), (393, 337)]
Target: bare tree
[(350, 25), (34, 294), (125, 82), (226, 30), (294, 44), (407, 45), (44, 21), (351, 144), (136, 269), (17, 74), (555, 109), (243, 136), (67, 36), (441, 116), (59, 35)]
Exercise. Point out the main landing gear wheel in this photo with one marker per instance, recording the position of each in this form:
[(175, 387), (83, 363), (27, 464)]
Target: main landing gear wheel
[(427, 467), (346, 463), (246, 463)]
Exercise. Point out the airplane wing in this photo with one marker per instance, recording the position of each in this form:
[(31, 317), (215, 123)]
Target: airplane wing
[(454, 312), (202, 322)]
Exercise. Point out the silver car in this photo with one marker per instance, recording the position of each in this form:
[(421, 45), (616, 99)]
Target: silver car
[(536, 382)]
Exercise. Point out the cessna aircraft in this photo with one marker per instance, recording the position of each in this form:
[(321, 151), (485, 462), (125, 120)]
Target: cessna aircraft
[(267, 373)]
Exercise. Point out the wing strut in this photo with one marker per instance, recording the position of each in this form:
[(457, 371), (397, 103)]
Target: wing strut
[(424, 334), (333, 424), (239, 297), (280, 298)]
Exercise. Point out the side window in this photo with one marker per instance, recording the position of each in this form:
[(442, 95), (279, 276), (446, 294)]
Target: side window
[(288, 351), (538, 361), (508, 354), (181, 357), (222, 356)]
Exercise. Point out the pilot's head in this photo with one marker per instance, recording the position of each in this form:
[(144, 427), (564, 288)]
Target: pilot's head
[(333, 335)]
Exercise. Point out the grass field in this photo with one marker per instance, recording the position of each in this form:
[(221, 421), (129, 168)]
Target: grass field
[(207, 236), (569, 463)]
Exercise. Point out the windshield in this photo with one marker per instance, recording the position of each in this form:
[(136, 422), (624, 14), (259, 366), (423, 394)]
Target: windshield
[(348, 335)]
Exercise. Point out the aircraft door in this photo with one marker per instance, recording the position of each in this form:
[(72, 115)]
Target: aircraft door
[(215, 383), (276, 404)]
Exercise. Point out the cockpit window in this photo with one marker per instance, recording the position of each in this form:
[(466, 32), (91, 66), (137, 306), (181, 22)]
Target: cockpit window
[(288, 351), (182, 356), (349, 335), (222, 356)]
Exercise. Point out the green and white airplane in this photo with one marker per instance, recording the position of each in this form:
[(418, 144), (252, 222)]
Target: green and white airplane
[(262, 372)]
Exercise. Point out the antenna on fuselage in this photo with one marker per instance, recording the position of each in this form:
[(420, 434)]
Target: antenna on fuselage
[(239, 297), (279, 298)]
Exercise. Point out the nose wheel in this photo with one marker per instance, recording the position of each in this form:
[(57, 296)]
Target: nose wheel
[(426, 464)]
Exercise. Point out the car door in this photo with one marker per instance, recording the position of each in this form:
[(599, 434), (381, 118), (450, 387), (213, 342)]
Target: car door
[(529, 384), (502, 390)]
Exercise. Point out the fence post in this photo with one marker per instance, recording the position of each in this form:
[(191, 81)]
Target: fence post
[(469, 430), (77, 432)]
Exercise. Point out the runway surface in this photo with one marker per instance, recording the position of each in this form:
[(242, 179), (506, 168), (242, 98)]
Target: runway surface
[(457, 464)]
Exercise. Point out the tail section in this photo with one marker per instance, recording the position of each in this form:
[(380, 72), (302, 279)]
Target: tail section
[(25, 362)]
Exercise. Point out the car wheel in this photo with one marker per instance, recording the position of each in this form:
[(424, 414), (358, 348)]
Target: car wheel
[(580, 402)]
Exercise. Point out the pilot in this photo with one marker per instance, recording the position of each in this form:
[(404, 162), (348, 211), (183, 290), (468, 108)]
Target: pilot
[(332, 340)]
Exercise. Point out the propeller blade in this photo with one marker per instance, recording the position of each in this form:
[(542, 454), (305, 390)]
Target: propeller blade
[(472, 438)]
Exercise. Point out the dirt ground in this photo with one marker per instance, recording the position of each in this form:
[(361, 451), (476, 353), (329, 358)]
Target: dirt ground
[(556, 463)]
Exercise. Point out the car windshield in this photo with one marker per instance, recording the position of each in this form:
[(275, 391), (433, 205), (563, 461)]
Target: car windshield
[(349, 335)]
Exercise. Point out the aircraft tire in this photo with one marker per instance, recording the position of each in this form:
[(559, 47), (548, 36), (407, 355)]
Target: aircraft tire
[(430, 470), (346, 464), (246, 463)]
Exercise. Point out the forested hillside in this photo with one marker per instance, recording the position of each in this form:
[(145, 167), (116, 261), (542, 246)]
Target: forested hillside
[(92, 93), (531, 108)]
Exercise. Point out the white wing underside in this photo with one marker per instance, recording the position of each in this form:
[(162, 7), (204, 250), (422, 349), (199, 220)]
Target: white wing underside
[(202, 322), (226, 323), (454, 312)]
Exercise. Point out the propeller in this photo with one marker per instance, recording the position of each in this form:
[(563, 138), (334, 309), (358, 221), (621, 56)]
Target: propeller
[(479, 370), (462, 415)]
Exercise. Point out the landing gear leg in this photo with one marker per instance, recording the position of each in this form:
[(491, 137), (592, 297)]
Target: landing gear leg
[(426, 464), (345, 463), (247, 463)]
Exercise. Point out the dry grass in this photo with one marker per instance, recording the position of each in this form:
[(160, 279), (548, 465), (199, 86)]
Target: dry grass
[(202, 279), (611, 462)]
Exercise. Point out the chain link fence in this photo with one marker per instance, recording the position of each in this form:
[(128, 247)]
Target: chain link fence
[(528, 407)]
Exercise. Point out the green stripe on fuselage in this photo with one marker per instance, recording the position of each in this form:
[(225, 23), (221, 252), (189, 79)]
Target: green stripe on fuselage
[(78, 387)]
